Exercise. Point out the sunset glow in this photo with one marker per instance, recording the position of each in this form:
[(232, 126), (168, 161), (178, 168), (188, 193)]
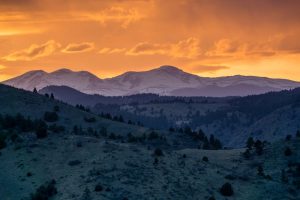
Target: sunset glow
[(107, 38)]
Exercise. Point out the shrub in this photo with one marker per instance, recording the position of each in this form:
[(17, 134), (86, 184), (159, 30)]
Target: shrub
[(74, 163), (155, 161), (112, 136), (171, 129), (56, 128), (90, 119), (98, 188), (45, 192), (205, 158), (260, 171), (226, 190), (158, 152), (131, 138), (50, 116), (268, 177), (41, 130), (103, 132), (86, 195), (153, 135), (287, 151), (212, 198), (2, 141), (288, 137), (230, 177), (14, 137), (56, 109)]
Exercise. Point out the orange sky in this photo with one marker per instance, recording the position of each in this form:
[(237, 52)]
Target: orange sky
[(109, 37)]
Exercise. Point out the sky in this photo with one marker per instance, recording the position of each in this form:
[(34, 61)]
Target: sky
[(205, 37)]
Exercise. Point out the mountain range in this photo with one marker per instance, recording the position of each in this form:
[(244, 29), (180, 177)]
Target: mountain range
[(165, 80), (270, 116)]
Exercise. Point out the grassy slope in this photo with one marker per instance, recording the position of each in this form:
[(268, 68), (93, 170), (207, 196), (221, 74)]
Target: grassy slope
[(13, 101), (128, 171)]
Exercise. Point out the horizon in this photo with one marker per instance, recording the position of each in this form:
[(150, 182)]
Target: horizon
[(108, 38), (155, 68)]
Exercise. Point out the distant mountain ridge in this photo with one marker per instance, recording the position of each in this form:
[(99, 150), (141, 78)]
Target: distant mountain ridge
[(165, 80), (270, 116)]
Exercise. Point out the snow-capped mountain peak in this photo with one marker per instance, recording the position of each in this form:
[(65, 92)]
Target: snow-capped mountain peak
[(165, 80), (62, 71)]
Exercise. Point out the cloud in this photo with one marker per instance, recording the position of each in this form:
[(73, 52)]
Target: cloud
[(34, 51), (78, 47), (289, 43), (145, 48), (223, 47), (121, 15), (188, 48), (14, 31), (238, 49), (111, 50)]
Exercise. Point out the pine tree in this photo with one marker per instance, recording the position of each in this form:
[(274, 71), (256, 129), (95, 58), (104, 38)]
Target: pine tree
[(250, 143), (287, 151), (201, 135), (212, 140), (217, 144), (205, 143), (121, 118), (298, 134), (258, 147)]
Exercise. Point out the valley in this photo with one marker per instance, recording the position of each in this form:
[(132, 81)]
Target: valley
[(232, 119), (112, 159)]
